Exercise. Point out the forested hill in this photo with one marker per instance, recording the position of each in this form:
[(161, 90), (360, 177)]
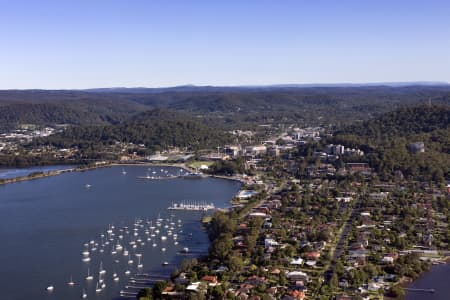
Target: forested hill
[(45, 114), (385, 140), (156, 129), (402, 122), (63, 107), (232, 107)]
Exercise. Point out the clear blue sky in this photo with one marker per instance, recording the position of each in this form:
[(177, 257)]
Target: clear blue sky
[(152, 43)]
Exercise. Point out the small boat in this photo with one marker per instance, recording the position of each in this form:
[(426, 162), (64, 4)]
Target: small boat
[(86, 259), (71, 283), (140, 265), (97, 288), (101, 271), (165, 263), (130, 261), (116, 278), (50, 288), (124, 172), (127, 272), (87, 186), (89, 276), (119, 247), (185, 249), (154, 245), (83, 294), (159, 219), (163, 249)]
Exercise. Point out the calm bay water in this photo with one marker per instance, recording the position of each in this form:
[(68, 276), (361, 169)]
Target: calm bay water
[(45, 223), (14, 173), (438, 278)]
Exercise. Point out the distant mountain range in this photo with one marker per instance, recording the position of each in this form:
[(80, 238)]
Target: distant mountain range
[(209, 88)]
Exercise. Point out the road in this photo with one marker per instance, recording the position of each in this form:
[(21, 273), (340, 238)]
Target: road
[(338, 250)]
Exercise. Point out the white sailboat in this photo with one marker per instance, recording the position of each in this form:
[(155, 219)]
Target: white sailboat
[(159, 219), (101, 271), (71, 283), (140, 265), (83, 294), (89, 276)]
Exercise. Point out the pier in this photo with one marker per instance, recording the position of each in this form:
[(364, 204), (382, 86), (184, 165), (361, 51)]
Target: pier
[(419, 290), (197, 206)]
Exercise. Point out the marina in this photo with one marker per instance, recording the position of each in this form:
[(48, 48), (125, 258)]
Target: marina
[(192, 205), (158, 174), (97, 231)]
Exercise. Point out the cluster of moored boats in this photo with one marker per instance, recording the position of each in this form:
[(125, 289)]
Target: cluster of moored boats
[(125, 245), (165, 174)]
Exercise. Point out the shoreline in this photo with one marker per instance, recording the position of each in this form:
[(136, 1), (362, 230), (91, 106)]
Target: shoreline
[(83, 168), (405, 282)]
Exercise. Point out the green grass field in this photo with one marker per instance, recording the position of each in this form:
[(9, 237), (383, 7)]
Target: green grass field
[(197, 164)]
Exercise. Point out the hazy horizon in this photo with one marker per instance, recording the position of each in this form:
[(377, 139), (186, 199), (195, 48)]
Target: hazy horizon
[(250, 86)]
